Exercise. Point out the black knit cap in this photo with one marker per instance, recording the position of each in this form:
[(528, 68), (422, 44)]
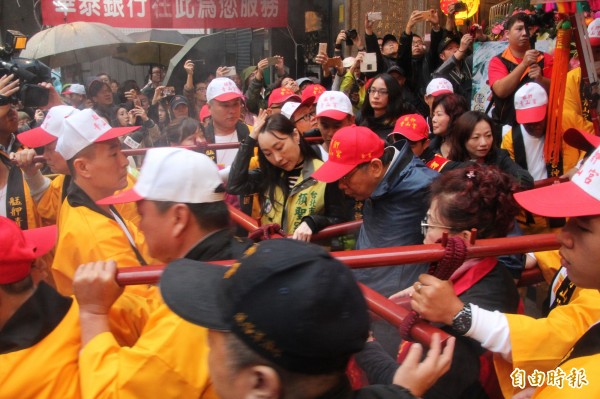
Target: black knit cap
[(289, 301)]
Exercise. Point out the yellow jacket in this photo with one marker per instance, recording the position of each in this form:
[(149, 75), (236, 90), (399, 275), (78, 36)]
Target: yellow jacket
[(49, 204), (540, 344), (307, 197), (570, 154), (169, 360), (86, 235), (573, 112), (49, 368), (578, 376)]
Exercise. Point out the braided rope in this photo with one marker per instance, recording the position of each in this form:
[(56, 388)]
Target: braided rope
[(454, 255)]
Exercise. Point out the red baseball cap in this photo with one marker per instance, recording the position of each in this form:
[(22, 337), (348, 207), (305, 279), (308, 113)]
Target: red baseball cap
[(581, 140), (311, 93), (281, 95), (204, 113), (350, 147), (21, 247), (578, 197), (412, 126)]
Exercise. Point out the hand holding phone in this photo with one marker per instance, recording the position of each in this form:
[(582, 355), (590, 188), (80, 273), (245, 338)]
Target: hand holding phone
[(335, 62), (230, 71), (272, 60), (168, 91)]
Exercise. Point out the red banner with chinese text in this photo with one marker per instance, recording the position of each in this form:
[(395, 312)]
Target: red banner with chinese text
[(169, 14)]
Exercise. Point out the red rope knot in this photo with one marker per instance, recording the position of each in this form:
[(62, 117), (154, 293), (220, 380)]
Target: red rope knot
[(266, 232), (454, 255)]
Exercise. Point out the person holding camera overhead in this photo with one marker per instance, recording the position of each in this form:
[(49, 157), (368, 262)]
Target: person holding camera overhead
[(517, 65), (392, 53)]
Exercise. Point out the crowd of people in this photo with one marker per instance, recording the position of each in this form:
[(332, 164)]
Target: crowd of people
[(395, 145)]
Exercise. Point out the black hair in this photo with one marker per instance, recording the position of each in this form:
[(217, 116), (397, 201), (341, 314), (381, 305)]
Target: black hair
[(125, 87), (95, 87), (519, 17), (461, 132), (273, 176), (180, 129), (18, 287), (296, 385), (210, 216), (454, 106), (396, 107)]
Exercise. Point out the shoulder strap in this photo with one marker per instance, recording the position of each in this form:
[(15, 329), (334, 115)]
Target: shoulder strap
[(16, 207), (121, 224), (519, 146)]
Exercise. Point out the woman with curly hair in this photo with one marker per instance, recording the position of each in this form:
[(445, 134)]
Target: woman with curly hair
[(476, 197), (472, 139)]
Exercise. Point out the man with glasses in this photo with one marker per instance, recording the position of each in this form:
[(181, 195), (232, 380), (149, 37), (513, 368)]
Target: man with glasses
[(301, 114), (156, 74), (394, 186)]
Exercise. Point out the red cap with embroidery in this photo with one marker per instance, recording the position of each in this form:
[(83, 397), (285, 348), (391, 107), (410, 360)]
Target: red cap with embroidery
[(412, 126), (20, 248), (350, 147), (281, 95), (311, 93)]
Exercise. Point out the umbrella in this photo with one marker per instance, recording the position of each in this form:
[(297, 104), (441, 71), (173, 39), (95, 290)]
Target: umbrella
[(74, 43), (207, 52), (154, 46)]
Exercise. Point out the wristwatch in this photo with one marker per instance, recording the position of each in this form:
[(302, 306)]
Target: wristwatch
[(461, 323)]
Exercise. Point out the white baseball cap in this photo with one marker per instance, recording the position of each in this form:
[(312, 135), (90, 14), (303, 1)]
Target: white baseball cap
[(578, 197), (334, 104), (222, 89), (438, 86), (531, 102), (75, 88), (50, 129), (594, 32), (85, 128), (348, 62), (174, 175), (289, 108)]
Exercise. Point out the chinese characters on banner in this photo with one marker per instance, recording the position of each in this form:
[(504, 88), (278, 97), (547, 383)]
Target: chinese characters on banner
[(169, 14)]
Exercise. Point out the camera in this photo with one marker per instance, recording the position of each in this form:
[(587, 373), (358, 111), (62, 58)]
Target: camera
[(351, 34), (29, 72)]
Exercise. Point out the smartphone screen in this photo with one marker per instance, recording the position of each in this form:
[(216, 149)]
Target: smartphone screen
[(323, 48)]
